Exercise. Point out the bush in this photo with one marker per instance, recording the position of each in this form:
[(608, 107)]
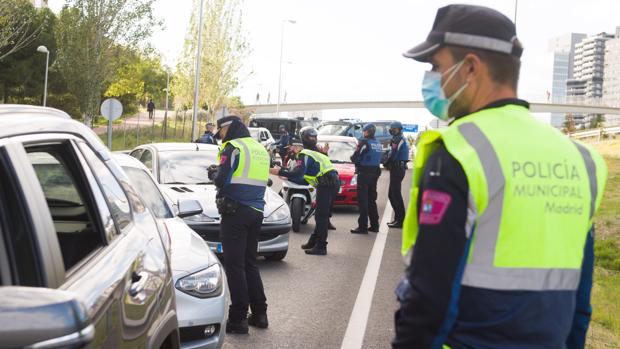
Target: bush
[(607, 254), (66, 102)]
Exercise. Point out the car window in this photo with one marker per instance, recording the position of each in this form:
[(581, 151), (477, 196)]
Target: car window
[(16, 233), (340, 152), (67, 197), (149, 192), (356, 130), (117, 200), (381, 131), (185, 167), (136, 153), (333, 129), (147, 159)]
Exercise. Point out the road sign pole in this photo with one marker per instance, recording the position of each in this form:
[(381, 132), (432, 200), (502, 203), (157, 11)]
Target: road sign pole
[(110, 133)]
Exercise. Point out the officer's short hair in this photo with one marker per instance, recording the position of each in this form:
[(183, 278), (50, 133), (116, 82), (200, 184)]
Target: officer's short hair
[(504, 68)]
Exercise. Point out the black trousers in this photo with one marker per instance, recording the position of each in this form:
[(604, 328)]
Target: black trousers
[(324, 198), (239, 233), (397, 173), (367, 198)]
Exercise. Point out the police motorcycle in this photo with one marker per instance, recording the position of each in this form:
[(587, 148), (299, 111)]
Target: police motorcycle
[(301, 199)]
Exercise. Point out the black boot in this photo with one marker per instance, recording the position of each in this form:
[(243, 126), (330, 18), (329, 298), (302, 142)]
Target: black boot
[(238, 327), (258, 320), (374, 229), (395, 224), (359, 231), (310, 244), (320, 249)]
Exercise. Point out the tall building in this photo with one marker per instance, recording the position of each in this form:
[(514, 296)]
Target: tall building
[(586, 85), (611, 80), (563, 48)]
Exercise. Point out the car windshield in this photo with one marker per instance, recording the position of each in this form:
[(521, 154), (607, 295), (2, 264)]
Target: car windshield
[(340, 152), (332, 129), (185, 167)]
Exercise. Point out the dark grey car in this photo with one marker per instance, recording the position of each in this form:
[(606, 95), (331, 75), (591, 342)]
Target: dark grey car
[(82, 262)]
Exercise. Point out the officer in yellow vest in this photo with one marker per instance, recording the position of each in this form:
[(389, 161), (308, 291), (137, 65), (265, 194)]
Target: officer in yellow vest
[(241, 179), (499, 229)]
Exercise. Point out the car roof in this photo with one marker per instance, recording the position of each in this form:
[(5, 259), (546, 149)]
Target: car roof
[(162, 147), (16, 120), (330, 138), (125, 160)]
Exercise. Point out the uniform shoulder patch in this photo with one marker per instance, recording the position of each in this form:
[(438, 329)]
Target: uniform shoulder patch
[(433, 206), (223, 159)]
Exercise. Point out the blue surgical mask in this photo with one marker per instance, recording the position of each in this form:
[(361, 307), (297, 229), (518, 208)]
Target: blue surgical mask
[(435, 99)]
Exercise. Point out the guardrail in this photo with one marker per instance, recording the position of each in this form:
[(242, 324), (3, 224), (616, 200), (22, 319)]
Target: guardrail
[(595, 133)]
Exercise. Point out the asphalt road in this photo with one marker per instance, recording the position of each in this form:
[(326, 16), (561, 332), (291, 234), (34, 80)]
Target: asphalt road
[(311, 298)]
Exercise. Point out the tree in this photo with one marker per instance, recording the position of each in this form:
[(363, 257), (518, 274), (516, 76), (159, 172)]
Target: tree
[(90, 36), (19, 26), (224, 49), (597, 121)]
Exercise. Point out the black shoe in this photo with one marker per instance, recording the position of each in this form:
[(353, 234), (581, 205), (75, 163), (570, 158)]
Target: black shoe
[(374, 229), (318, 249), (310, 244), (359, 231), (393, 222), (258, 320), (331, 226), (395, 225), (240, 327)]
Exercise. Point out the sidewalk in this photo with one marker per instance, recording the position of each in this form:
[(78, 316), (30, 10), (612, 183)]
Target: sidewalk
[(141, 119)]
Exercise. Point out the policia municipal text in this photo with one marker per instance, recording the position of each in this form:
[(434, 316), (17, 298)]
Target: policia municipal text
[(488, 268)]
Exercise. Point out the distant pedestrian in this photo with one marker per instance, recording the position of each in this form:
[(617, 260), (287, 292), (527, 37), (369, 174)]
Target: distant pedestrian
[(150, 107), (207, 137)]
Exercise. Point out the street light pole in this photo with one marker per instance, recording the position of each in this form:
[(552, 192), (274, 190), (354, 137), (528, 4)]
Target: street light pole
[(44, 49), (197, 77), (166, 111), (516, 5), (281, 56)]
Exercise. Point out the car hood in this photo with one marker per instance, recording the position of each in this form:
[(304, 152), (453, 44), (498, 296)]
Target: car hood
[(345, 170), (205, 194), (189, 252)]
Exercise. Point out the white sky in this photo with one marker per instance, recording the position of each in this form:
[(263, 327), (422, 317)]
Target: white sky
[(350, 50)]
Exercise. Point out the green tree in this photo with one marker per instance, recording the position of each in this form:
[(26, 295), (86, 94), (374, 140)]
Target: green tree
[(597, 121), (19, 26), (91, 33)]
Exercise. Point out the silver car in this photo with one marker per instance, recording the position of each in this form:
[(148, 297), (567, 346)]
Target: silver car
[(181, 171), (201, 289)]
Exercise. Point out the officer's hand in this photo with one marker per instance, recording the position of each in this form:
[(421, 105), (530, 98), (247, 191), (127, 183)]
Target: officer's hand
[(212, 171), (275, 170)]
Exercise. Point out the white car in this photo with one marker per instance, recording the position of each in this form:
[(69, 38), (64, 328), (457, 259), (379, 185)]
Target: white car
[(200, 282), (180, 169)]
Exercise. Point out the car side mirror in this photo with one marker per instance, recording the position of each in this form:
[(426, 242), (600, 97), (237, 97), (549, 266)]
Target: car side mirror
[(269, 182), (188, 208), (37, 317)]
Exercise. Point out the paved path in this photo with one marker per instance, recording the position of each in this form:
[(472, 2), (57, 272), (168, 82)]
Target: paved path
[(142, 119)]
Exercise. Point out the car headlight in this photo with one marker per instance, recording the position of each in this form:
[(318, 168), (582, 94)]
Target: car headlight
[(354, 179), (199, 218), (202, 284), (280, 214)]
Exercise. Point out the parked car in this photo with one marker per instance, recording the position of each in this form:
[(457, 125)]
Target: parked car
[(264, 137), (180, 169), (83, 261), (199, 278), (340, 150), (354, 129)]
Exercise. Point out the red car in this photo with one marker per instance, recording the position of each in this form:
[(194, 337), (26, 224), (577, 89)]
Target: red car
[(340, 150)]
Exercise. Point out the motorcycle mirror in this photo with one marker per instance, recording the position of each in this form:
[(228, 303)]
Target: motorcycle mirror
[(278, 163), (269, 182)]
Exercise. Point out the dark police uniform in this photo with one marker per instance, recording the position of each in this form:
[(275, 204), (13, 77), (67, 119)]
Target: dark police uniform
[(367, 158), (241, 203), (327, 184), (397, 164), (283, 142), (207, 138)]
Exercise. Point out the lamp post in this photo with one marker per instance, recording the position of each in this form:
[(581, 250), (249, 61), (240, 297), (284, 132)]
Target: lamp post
[(197, 77), (166, 111), (281, 55), (44, 49)]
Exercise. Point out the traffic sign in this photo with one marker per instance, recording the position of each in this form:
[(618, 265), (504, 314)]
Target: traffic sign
[(410, 128), (111, 109)]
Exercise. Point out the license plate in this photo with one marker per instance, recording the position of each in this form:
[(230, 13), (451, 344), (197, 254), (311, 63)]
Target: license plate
[(219, 248)]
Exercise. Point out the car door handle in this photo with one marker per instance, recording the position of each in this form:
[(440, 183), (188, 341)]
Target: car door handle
[(138, 284)]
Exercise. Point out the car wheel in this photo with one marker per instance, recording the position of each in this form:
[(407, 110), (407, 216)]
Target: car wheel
[(297, 208), (277, 256)]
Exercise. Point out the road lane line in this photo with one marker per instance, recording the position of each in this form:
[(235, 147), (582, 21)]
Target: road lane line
[(356, 329)]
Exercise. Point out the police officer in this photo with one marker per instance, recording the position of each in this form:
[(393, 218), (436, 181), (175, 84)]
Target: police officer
[(503, 257), (241, 179), (207, 137), (367, 157), (396, 162), (319, 172), (283, 143)]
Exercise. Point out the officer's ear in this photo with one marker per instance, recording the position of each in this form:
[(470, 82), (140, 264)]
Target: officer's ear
[(473, 67)]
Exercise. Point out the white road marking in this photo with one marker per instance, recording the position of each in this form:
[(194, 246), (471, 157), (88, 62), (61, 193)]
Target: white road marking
[(356, 329)]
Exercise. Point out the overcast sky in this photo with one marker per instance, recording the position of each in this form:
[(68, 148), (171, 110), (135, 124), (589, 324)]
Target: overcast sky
[(350, 50)]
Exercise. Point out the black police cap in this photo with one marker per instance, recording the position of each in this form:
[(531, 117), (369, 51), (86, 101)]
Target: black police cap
[(469, 26), (223, 122)]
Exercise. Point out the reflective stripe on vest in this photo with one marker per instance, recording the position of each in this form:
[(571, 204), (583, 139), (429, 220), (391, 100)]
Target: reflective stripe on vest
[(530, 228), (253, 167), (325, 165)]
